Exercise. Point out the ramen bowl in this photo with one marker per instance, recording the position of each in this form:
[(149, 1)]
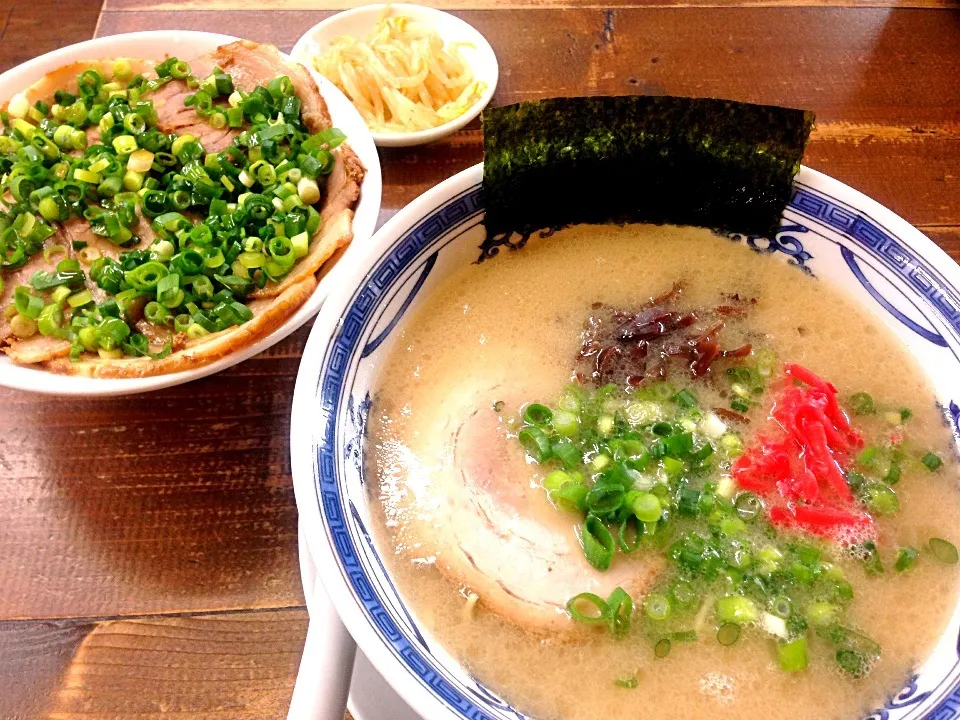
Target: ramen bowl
[(876, 259)]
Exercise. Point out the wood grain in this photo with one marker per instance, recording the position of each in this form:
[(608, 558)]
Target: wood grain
[(273, 5), (239, 666), (840, 63), (29, 28), (172, 501), (850, 65), (948, 238)]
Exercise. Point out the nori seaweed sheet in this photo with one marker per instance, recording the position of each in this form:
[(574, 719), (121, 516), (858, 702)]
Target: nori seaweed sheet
[(714, 163)]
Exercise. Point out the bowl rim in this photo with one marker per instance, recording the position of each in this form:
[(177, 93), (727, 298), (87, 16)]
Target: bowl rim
[(416, 137), (301, 448), (30, 379), (304, 415)]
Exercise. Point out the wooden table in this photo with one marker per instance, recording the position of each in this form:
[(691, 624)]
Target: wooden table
[(148, 545)]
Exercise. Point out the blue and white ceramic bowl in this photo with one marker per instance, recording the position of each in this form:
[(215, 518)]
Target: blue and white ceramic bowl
[(828, 230)]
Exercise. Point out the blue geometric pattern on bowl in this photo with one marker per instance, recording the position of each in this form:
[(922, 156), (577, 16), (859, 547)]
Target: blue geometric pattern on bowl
[(786, 241), (390, 288)]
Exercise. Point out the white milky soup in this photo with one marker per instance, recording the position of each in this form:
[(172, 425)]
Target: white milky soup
[(645, 472)]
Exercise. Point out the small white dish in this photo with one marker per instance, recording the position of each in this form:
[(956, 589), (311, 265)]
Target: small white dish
[(358, 23), (187, 44)]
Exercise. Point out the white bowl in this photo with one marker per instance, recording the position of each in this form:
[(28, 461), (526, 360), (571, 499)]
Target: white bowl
[(358, 23), (846, 239), (186, 44)]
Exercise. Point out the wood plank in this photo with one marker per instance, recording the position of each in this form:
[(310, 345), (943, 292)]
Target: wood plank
[(851, 66), (33, 656), (948, 238), (273, 5), (172, 501), (26, 29), (239, 666)]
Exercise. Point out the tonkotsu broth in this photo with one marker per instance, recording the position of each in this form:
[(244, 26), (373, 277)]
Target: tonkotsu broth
[(508, 329)]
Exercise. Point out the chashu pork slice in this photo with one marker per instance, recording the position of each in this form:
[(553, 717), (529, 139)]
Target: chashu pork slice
[(39, 348), (484, 518), (249, 64)]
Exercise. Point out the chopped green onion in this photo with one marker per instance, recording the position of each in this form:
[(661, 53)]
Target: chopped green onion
[(556, 480), (621, 613), (308, 191), (905, 558), (564, 422), (871, 558), (672, 466), (821, 614), (683, 594), (623, 535), (852, 662), (566, 452), (662, 429), (27, 304), (537, 414), (645, 506), (79, 299), (732, 445), (598, 543), (533, 439), (179, 69), (688, 498), (867, 456), (781, 606), (882, 499), (657, 606), (571, 497), (944, 551), (932, 461), (23, 326), (685, 398), (146, 276), (728, 633), (736, 609), (50, 320), (329, 139), (662, 648), (86, 176), (301, 246), (122, 69), (595, 608), (196, 331), (43, 280), (124, 145), (679, 444), (140, 161), (792, 656)]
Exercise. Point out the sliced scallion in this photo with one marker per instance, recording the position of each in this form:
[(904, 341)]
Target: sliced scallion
[(588, 608), (943, 550), (598, 543), (728, 633)]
